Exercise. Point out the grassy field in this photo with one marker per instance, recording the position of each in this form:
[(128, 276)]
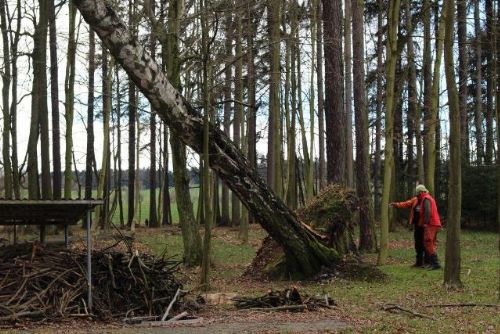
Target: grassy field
[(360, 302)]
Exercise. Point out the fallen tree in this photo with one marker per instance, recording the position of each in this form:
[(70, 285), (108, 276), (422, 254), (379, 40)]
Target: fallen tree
[(305, 253)]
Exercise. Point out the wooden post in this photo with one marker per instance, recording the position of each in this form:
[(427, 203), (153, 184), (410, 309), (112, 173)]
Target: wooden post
[(89, 260)]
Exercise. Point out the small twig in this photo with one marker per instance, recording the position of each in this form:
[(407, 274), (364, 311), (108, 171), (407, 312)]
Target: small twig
[(391, 307), (177, 317), (279, 308), (464, 305), (165, 315)]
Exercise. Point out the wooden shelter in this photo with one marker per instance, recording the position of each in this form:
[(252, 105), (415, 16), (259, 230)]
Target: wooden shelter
[(52, 212)]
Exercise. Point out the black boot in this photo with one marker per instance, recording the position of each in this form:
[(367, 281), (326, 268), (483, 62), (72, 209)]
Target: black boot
[(434, 263), (419, 261), (427, 261)]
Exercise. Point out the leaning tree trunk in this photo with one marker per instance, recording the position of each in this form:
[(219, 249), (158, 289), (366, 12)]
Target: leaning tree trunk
[(305, 254)]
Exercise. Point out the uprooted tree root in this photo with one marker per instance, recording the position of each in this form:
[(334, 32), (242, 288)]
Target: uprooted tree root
[(330, 215), (50, 283)]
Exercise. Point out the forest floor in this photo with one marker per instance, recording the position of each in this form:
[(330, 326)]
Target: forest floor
[(360, 303)]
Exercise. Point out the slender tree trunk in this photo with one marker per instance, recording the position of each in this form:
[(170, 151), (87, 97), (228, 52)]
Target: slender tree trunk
[(378, 115), (132, 111), (310, 174), (13, 106), (39, 122), (54, 94), (427, 69), (153, 219), (463, 61), (452, 267), (321, 101), (207, 184), (348, 93), (69, 88), (102, 189), (305, 255), (43, 109), (190, 235), (90, 118), (291, 199), (334, 106), (251, 91), (488, 154), (478, 109), (167, 213), (392, 55), (6, 80), (433, 119), (238, 112), (366, 240), (226, 220), (119, 145), (413, 115), (274, 139)]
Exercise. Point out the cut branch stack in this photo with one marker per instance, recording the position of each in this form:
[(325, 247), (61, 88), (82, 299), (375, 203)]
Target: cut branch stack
[(49, 282)]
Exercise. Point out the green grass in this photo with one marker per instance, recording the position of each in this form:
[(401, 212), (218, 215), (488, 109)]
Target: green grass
[(360, 301)]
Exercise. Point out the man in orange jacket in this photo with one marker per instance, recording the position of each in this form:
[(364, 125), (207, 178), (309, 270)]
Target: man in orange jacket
[(425, 217)]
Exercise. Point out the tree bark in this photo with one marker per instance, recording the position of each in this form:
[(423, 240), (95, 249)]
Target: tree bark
[(378, 113), (478, 108), (366, 240), (304, 252), (348, 93), (43, 111), (452, 262), (392, 21), (54, 95), (463, 62), (488, 154), (291, 195), (13, 106), (6, 80), (132, 111), (190, 235), (153, 219), (69, 89), (90, 118), (226, 220), (433, 116), (238, 112), (321, 98), (119, 146), (427, 69), (274, 138), (334, 106)]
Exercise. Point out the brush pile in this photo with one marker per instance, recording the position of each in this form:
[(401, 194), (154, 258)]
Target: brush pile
[(50, 283), (283, 300)]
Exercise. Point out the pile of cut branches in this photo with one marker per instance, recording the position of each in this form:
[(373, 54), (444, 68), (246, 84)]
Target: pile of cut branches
[(284, 300), (50, 282)]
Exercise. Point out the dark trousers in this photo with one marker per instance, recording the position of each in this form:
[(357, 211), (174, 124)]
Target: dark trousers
[(418, 235)]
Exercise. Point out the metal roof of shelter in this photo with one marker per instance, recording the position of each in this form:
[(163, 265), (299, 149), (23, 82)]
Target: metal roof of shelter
[(44, 212)]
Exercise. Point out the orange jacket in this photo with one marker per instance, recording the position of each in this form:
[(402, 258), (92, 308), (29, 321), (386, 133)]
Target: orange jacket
[(411, 203)]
